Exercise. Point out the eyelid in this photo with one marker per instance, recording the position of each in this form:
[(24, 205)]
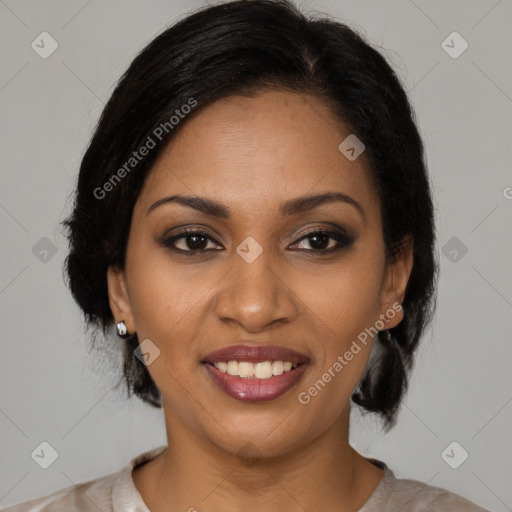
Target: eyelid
[(323, 229), (181, 229)]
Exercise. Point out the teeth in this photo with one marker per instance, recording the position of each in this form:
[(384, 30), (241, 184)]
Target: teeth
[(245, 369), (277, 367), (261, 370), (232, 367)]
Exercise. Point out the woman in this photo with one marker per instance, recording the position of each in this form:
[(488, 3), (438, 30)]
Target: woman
[(254, 216)]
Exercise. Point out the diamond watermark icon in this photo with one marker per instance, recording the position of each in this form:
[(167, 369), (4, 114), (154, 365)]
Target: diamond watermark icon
[(454, 249), (44, 455), (351, 147), (454, 45), (147, 352), (454, 455), (249, 249), (44, 45), (44, 250)]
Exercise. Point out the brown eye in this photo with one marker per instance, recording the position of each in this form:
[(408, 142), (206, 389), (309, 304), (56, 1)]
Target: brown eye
[(190, 241), (324, 241)]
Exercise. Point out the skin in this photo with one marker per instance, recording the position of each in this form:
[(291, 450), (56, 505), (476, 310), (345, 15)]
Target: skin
[(253, 154)]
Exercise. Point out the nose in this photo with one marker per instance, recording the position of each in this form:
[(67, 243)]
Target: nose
[(256, 295)]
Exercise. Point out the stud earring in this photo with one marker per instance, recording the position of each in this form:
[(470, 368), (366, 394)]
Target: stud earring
[(122, 331)]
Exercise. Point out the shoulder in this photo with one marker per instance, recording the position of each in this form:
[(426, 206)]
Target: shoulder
[(415, 496), (92, 495), (110, 493)]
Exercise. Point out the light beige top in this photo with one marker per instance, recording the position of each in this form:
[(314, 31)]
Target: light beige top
[(117, 493)]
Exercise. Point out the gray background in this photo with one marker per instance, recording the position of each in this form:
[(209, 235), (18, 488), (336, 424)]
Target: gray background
[(53, 390)]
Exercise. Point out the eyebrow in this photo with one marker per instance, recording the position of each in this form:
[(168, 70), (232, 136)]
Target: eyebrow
[(288, 208)]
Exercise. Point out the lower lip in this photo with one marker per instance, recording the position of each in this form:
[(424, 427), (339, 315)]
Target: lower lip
[(253, 389)]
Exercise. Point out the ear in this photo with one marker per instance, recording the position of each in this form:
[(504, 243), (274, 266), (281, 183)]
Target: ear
[(395, 283), (118, 298)]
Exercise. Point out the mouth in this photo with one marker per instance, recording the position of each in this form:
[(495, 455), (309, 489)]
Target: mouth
[(255, 374)]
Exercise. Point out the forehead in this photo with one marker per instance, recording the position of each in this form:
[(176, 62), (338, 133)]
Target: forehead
[(253, 152)]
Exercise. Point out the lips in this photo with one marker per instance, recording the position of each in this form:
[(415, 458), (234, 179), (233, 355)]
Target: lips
[(252, 389), (255, 354)]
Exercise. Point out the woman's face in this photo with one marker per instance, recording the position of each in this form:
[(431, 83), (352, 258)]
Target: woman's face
[(255, 275)]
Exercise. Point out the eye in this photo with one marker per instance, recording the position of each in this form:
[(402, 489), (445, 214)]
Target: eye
[(194, 242), (190, 241), (323, 241)]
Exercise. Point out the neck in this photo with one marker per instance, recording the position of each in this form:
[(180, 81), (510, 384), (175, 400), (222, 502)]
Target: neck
[(195, 473)]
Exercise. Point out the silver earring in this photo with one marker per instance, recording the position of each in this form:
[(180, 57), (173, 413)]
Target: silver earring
[(122, 331)]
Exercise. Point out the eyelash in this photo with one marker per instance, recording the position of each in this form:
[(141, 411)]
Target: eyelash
[(343, 241)]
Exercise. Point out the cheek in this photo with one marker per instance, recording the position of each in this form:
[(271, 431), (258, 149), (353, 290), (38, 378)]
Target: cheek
[(345, 296), (166, 303), (163, 296), (342, 304)]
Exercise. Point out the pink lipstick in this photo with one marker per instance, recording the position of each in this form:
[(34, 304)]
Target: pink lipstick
[(255, 373)]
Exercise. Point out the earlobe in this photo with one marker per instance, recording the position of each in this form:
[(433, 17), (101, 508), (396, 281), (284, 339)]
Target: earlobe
[(398, 274), (118, 298)]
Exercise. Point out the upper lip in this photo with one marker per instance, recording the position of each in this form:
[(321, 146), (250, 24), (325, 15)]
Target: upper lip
[(255, 354)]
